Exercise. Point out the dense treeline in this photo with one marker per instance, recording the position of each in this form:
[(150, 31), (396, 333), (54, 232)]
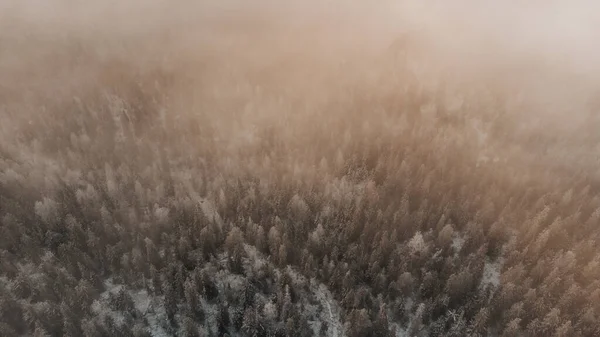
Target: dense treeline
[(359, 202)]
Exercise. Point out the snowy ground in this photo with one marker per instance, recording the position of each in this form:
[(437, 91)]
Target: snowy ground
[(318, 305), (491, 273)]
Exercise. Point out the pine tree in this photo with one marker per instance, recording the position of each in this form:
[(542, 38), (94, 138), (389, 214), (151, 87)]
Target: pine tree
[(250, 322), (222, 320), (479, 324), (189, 328), (565, 330), (170, 303), (286, 304), (139, 330), (513, 328), (360, 323), (381, 323), (193, 305), (39, 331)]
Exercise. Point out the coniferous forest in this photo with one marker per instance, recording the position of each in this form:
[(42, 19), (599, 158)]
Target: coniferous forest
[(233, 169)]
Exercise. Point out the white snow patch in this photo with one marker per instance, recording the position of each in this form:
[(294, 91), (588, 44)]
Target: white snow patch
[(403, 331), (331, 314), (400, 331), (457, 243), (100, 307), (491, 273), (151, 307), (156, 316), (211, 312), (210, 211)]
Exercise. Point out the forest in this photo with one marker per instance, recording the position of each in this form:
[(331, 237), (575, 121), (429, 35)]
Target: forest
[(236, 169)]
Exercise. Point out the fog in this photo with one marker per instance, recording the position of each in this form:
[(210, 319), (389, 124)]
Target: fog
[(521, 76), (544, 49)]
